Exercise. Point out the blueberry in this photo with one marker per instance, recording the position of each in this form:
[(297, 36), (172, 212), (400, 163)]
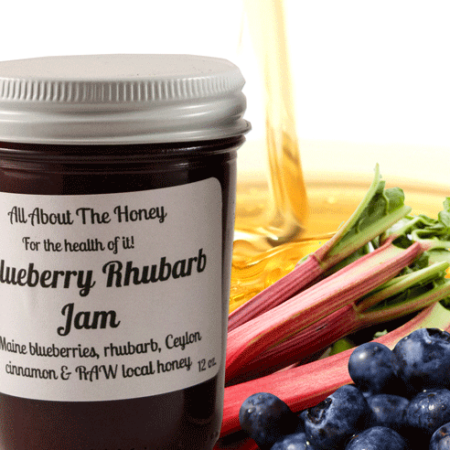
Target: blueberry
[(295, 441), (389, 411), (266, 419), (440, 440), (301, 423), (329, 424), (427, 411), (373, 367), (424, 359), (377, 438)]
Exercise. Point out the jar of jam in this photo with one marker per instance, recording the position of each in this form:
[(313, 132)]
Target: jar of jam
[(117, 193)]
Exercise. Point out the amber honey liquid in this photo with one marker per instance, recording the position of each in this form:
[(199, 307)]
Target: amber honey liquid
[(281, 218)]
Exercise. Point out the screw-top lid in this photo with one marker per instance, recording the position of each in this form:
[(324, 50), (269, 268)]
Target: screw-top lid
[(120, 99)]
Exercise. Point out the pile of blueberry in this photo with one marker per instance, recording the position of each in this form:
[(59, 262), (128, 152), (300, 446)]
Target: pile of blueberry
[(399, 400)]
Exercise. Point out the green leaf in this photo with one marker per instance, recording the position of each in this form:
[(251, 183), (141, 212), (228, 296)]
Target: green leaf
[(396, 198), (444, 219), (438, 255), (379, 210), (447, 204), (341, 345)]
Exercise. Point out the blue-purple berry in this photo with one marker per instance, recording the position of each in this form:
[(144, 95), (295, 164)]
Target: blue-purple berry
[(440, 440), (331, 423), (373, 367), (389, 411), (424, 359), (377, 438), (266, 419), (295, 441), (428, 410)]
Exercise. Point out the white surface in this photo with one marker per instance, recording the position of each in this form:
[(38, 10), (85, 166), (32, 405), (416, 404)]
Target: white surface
[(366, 73)]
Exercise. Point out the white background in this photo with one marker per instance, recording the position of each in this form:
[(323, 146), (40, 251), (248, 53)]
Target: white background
[(371, 78)]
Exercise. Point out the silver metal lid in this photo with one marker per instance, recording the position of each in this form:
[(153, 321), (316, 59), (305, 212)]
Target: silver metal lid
[(120, 99)]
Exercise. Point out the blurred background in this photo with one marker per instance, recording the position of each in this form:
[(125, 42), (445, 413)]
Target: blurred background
[(370, 81)]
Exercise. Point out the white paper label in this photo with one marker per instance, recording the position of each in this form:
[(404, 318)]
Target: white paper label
[(111, 296)]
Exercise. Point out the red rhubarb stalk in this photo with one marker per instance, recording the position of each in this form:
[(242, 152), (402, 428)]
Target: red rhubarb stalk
[(311, 305), (305, 386)]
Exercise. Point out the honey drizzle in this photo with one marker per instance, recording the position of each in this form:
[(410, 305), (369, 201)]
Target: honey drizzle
[(267, 253), (284, 216)]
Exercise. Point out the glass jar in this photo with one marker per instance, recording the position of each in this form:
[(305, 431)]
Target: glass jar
[(117, 197)]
